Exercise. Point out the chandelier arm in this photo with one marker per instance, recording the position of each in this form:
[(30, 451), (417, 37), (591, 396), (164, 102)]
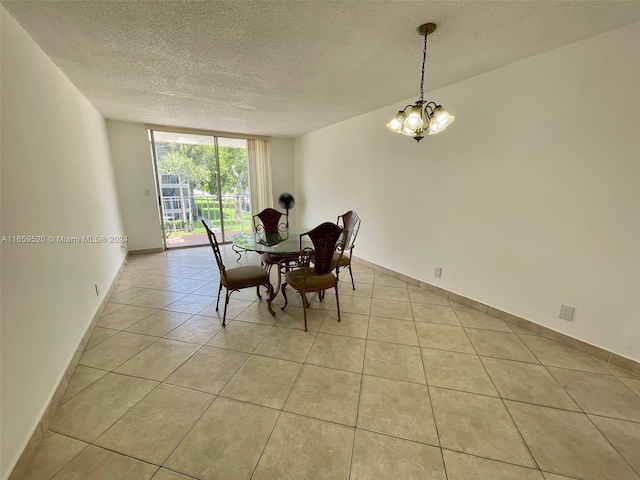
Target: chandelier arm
[(430, 108)]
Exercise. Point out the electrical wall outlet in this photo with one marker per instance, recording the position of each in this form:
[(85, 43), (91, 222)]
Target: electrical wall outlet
[(438, 272), (566, 312)]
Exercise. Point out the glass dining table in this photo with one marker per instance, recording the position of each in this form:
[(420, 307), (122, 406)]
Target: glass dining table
[(285, 241)]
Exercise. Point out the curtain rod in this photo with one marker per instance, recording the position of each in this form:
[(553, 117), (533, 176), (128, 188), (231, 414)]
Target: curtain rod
[(195, 131)]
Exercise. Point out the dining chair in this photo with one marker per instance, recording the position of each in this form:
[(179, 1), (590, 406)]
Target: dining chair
[(312, 270), (237, 278), (351, 224), (268, 222)]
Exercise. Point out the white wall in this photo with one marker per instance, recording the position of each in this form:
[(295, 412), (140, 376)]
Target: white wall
[(133, 165), (57, 179), (283, 171), (529, 200)]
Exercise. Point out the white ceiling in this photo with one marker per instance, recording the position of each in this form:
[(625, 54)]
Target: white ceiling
[(284, 68)]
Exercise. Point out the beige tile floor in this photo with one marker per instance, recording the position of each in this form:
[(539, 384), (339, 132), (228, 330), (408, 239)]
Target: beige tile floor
[(407, 386)]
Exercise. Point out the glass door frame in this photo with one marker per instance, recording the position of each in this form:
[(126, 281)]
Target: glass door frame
[(208, 133)]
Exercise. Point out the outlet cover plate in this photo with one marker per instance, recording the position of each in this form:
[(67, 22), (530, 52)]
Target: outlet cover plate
[(566, 312), (438, 272)]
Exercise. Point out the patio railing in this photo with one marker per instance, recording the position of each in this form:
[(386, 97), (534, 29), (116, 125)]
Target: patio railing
[(182, 215)]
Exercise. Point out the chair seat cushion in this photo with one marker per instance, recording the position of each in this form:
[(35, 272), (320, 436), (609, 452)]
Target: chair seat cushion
[(296, 279), (247, 276), (344, 260)]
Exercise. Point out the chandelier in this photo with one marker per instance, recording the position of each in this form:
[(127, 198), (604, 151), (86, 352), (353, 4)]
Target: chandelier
[(422, 116)]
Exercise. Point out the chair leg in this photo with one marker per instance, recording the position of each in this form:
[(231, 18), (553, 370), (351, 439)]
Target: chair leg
[(337, 301), (304, 308), (218, 300), (258, 292), (270, 299), (226, 302), (353, 285), (284, 294)]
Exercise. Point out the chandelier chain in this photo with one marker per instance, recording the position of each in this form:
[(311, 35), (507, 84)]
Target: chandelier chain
[(424, 59)]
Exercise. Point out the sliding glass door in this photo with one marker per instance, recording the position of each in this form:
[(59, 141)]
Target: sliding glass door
[(201, 176)]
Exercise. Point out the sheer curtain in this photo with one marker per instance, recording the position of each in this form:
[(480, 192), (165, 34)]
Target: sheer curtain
[(260, 186)]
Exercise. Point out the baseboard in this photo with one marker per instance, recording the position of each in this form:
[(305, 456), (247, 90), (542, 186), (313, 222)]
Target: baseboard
[(146, 250), (524, 324), (27, 455)]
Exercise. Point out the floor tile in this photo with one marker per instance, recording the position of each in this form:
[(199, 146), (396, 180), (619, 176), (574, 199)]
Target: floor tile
[(478, 425), (258, 312), (160, 299), (293, 317), (624, 436), (54, 452), (188, 285), (125, 317), (555, 355), (82, 378), (457, 371), (500, 345), (353, 304), (631, 383), (159, 282), (552, 476), (391, 309), (314, 300), (235, 308), (335, 351), (111, 307), (472, 318), (159, 360), (381, 456), (397, 408), (421, 295), (198, 329), (382, 292), (164, 474), (552, 436), (526, 382), (152, 429), (87, 415), (116, 350), (209, 370), (388, 280), (306, 448), (191, 304), (226, 442), (350, 324), (160, 323), (444, 337), (389, 360), (467, 467), (440, 314), (326, 394), (240, 336), (286, 344), (99, 335), (362, 289), (99, 464), (601, 395), (619, 372), (131, 295), (392, 330), (263, 381)]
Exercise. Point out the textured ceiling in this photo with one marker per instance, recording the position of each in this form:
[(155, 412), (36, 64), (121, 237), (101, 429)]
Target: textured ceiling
[(284, 68)]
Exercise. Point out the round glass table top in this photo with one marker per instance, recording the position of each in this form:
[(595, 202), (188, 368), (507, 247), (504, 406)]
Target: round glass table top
[(283, 241)]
